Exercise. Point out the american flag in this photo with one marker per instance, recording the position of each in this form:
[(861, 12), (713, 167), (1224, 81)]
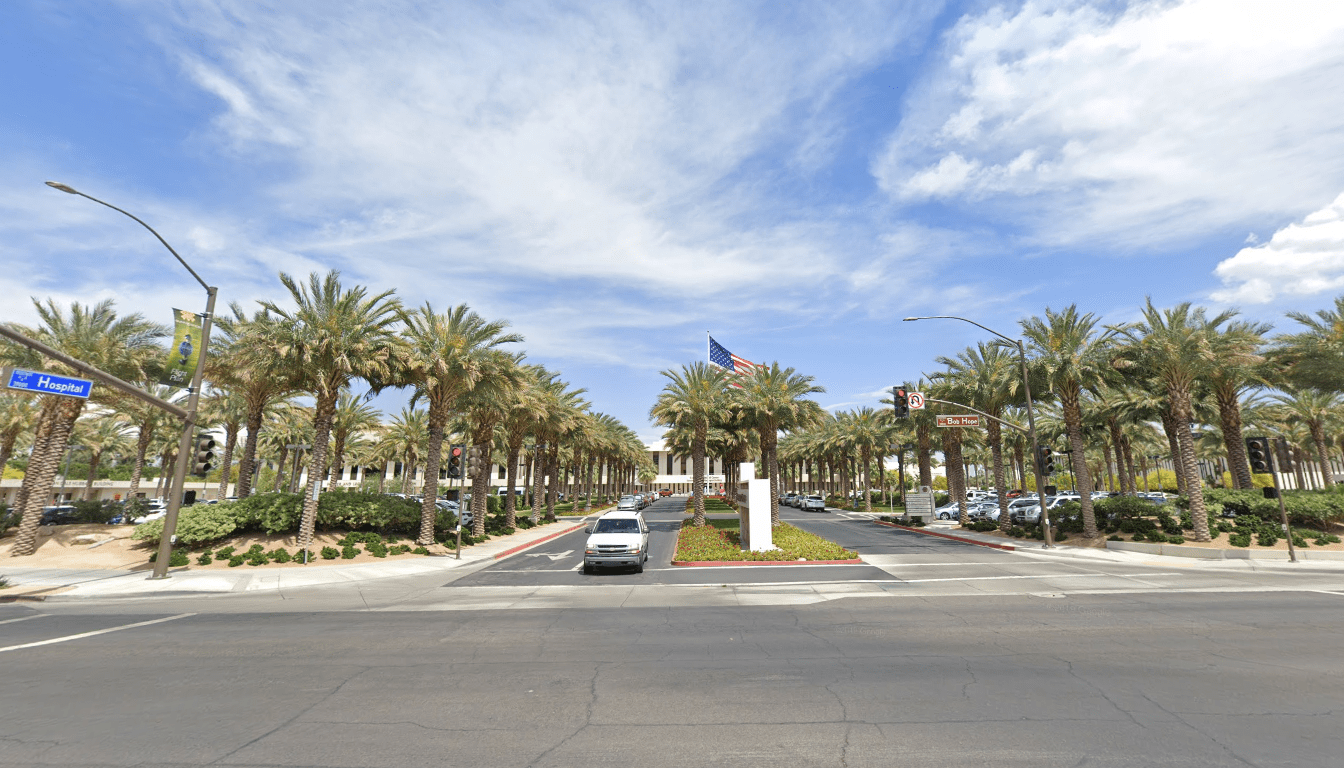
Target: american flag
[(720, 356)]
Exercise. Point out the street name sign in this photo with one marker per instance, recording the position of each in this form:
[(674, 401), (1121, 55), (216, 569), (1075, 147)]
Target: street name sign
[(47, 383), (969, 420), (915, 400)]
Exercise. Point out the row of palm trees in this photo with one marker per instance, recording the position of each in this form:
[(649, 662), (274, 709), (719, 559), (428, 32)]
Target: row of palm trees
[(466, 385), (1180, 385)]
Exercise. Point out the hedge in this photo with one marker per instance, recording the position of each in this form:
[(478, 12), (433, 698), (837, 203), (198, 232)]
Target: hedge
[(1314, 508), (272, 513)]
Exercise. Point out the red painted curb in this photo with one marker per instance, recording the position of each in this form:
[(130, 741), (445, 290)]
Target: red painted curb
[(700, 563), (963, 539), (542, 540)]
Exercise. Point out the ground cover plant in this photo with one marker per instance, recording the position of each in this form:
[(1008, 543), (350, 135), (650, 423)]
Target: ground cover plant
[(721, 540)]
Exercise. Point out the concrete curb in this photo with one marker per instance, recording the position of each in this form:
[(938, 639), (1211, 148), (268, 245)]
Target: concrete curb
[(939, 534), (530, 544), (1208, 553), (722, 563)]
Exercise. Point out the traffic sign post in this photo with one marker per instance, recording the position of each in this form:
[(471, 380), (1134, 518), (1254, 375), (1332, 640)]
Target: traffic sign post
[(43, 383), (914, 400)]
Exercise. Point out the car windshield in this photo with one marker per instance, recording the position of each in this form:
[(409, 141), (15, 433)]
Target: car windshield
[(618, 525)]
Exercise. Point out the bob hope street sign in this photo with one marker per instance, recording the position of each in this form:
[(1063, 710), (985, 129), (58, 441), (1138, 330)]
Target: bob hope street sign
[(959, 421), (47, 383)]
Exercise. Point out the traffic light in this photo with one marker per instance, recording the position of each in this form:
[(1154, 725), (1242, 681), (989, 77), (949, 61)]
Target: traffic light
[(900, 403), (454, 461), (204, 455), (1045, 459), (474, 462), (1258, 451)]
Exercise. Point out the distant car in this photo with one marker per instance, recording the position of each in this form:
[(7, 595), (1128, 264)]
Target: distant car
[(812, 504), (664, 492), (984, 511), (59, 515), (790, 499), (628, 503)]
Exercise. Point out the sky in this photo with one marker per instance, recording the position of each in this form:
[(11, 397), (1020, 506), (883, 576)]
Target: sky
[(617, 179)]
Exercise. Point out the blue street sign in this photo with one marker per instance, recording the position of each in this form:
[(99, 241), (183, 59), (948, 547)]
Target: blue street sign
[(47, 383)]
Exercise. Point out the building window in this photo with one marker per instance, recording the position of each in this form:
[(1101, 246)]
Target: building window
[(669, 462), (501, 471), (683, 465)]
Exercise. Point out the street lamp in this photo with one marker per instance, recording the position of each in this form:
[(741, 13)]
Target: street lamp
[(184, 452), (1031, 417)]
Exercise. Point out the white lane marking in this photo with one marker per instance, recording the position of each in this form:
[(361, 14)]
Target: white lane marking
[(68, 638), (1043, 576), (693, 568), (560, 556), (25, 618)]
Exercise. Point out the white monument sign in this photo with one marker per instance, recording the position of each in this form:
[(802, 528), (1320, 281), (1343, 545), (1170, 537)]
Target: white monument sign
[(754, 496), (919, 504)]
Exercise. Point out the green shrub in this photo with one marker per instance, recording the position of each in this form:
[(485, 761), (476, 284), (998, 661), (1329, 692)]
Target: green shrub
[(258, 558), (1114, 538), (96, 511), (330, 553), (1123, 507), (224, 552), (279, 555), (1299, 540), (1267, 539), (205, 558), (377, 549), (348, 552), (1175, 539), (236, 561), (200, 524), (420, 551), (178, 558)]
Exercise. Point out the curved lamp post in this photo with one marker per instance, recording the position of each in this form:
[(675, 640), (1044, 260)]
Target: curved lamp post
[(184, 447), (1031, 417)]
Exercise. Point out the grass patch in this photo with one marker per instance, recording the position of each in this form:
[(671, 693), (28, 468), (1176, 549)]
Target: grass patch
[(721, 540), (711, 506)]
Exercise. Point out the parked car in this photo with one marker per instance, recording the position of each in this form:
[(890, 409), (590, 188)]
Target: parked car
[(664, 492), (812, 504), (63, 514), (627, 504), (949, 511), (619, 538), (1030, 512), (789, 499), (985, 511)]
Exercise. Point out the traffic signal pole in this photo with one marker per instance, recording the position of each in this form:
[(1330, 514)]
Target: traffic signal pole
[(185, 454), (1260, 451)]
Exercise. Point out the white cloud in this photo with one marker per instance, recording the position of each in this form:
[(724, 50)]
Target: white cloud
[(1299, 260), (1145, 125)]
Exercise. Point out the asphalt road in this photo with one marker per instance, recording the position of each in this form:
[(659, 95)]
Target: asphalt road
[(1098, 680), (937, 654)]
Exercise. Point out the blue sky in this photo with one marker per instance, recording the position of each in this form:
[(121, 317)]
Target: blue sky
[(616, 179)]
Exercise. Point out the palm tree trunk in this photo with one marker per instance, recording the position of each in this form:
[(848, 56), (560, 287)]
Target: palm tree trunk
[(324, 411), (510, 480), (1185, 443), (867, 455), (924, 445), (95, 458), (247, 466), (337, 461), (226, 464), (1229, 421), (1132, 474), (1169, 427), (1106, 462), (1073, 423), (7, 449), (588, 485), (42, 466), (280, 469), (553, 476), (537, 478), (995, 435), (429, 506), (480, 483), (698, 473), (144, 435)]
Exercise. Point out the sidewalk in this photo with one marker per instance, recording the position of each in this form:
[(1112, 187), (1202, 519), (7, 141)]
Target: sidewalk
[(66, 583), (1215, 561)]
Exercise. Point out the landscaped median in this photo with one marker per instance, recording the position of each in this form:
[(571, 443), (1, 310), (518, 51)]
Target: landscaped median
[(720, 541)]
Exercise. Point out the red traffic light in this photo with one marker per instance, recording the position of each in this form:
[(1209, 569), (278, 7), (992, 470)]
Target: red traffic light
[(457, 452)]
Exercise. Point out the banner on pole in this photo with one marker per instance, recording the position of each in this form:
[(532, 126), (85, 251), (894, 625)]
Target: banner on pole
[(185, 351)]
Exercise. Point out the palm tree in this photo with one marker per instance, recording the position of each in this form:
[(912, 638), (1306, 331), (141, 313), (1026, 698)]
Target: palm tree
[(228, 411), (104, 435), (121, 346), (353, 417), (332, 336), (483, 407), (1173, 347), (148, 421), (1237, 367), (408, 433), (1068, 353), (448, 356), (18, 415), (868, 431), (692, 397), (772, 399), (1317, 410), (989, 375), (1313, 358), (241, 363)]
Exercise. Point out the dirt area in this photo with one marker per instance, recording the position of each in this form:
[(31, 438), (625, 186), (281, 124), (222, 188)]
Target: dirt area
[(1219, 540), (110, 547)]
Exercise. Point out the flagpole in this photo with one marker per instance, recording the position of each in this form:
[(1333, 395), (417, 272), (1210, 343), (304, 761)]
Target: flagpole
[(708, 357)]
